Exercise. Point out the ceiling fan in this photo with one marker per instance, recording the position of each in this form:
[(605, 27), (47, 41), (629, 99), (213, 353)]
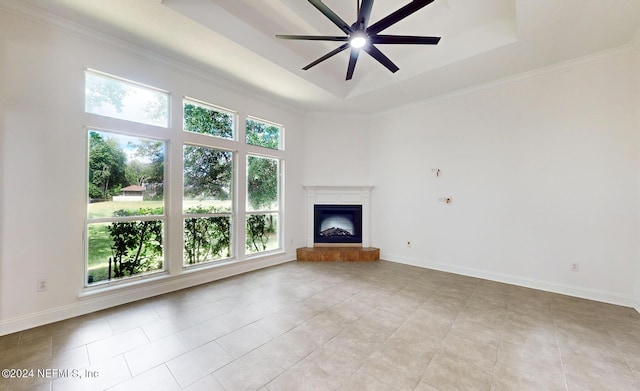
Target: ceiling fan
[(360, 36)]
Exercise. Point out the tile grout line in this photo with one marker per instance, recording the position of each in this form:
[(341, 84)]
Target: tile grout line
[(562, 365)]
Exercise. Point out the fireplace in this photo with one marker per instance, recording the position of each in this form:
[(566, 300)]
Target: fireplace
[(337, 223), (339, 196)]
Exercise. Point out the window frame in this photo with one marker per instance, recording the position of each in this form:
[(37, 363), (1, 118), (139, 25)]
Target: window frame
[(281, 146), (132, 83), (174, 137), (163, 218), (232, 213), (278, 212), (213, 107)]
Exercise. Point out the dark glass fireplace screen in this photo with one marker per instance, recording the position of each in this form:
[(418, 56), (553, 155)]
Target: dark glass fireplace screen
[(337, 224)]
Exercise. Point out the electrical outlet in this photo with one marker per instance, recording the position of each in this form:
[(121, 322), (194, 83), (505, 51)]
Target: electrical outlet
[(575, 267), (43, 285)]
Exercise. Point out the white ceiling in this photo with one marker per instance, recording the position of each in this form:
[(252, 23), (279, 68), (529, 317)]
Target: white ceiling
[(481, 41)]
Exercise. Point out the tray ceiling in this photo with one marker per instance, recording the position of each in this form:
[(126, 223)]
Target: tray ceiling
[(482, 41)]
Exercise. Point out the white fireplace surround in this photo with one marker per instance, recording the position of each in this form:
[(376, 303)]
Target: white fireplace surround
[(345, 195)]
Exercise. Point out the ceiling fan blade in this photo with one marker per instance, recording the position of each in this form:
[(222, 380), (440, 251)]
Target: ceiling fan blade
[(353, 58), (405, 39), (332, 16), (313, 38), (326, 56), (365, 13), (382, 59), (397, 16)]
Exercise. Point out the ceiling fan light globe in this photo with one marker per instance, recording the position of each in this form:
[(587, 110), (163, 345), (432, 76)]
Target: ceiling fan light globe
[(358, 41)]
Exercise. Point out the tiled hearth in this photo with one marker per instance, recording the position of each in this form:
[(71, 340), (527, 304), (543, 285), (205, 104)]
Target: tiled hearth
[(333, 254)]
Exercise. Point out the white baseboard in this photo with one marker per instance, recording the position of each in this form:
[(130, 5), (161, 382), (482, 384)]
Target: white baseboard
[(100, 300), (591, 294)]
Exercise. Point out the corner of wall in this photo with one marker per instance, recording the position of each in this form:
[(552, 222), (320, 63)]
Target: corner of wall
[(636, 46), (547, 286)]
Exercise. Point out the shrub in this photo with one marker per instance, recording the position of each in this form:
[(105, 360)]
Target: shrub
[(206, 238), (259, 228), (137, 245)]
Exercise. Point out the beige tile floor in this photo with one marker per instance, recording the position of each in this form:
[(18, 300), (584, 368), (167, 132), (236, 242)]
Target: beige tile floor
[(338, 326)]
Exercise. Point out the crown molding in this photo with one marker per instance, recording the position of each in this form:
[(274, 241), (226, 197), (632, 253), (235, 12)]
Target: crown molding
[(553, 69), (337, 115)]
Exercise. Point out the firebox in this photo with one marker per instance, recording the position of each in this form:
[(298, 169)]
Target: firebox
[(337, 223)]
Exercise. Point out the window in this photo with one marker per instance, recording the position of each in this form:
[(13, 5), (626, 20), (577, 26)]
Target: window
[(125, 214), (207, 204), (263, 134), (127, 219), (117, 98), (263, 204), (207, 119)]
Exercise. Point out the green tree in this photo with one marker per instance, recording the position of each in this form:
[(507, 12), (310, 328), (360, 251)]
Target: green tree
[(259, 229), (157, 108), (107, 166), (207, 172), (262, 182), (151, 173), (137, 245), (262, 134), (137, 173), (100, 91), (201, 120), (206, 238)]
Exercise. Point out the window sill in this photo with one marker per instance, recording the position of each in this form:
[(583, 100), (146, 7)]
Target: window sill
[(150, 281), (132, 282), (265, 254)]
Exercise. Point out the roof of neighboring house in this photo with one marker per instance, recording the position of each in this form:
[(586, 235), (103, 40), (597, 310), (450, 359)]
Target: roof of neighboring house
[(133, 188)]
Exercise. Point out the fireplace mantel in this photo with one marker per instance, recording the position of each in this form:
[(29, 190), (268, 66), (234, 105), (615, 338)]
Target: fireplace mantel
[(357, 195)]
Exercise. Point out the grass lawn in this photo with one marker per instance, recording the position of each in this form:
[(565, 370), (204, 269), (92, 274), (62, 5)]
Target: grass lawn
[(105, 209), (99, 245), (99, 251)]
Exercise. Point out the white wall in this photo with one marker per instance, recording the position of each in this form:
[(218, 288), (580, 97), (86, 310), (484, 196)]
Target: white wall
[(336, 151), (543, 171), (637, 84), (43, 160)]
